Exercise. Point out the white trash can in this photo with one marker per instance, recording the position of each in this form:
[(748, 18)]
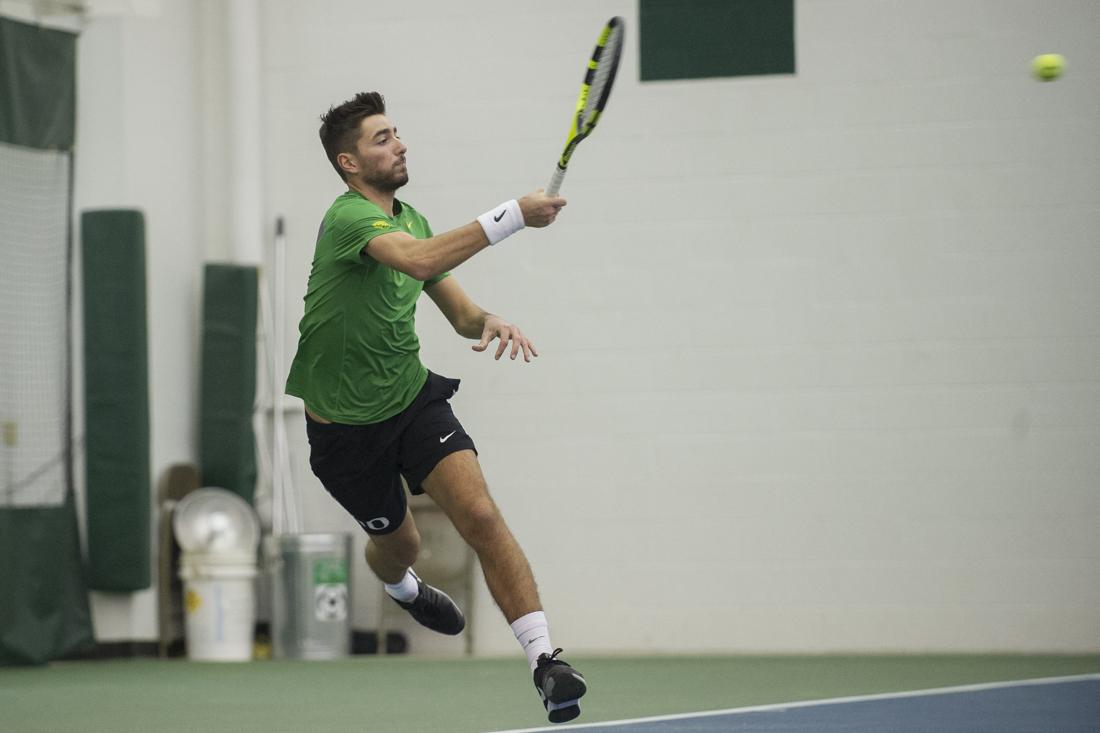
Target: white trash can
[(219, 600)]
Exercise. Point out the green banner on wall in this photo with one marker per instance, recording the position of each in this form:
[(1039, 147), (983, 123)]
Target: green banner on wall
[(701, 39)]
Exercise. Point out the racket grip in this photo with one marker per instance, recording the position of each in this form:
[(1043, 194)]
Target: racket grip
[(554, 186)]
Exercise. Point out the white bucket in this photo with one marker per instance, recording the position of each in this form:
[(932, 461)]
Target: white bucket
[(220, 605)]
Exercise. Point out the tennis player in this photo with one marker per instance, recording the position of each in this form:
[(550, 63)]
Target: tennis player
[(375, 414)]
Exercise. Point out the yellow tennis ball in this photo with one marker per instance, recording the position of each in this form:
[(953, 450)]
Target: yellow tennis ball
[(1048, 66)]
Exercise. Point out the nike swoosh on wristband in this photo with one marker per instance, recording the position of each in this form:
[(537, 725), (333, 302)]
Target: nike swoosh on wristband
[(447, 436), (500, 216)]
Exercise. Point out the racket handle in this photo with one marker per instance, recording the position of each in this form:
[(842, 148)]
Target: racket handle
[(554, 186)]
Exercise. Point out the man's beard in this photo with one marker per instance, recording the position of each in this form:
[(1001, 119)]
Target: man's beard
[(392, 181)]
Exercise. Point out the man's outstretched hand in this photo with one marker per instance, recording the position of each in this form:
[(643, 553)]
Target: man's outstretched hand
[(509, 334)]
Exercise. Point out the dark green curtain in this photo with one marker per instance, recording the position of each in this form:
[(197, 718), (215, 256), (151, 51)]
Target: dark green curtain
[(37, 86), (44, 612)]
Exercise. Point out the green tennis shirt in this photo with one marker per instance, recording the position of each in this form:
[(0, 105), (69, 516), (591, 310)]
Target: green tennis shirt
[(358, 358)]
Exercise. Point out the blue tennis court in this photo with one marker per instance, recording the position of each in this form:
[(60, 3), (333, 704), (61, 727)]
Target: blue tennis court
[(1055, 705)]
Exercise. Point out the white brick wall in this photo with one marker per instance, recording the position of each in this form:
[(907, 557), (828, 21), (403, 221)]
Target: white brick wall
[(820, 357), (820, 354)]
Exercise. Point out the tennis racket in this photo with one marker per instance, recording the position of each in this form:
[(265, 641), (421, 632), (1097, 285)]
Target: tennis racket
[(598, 78)]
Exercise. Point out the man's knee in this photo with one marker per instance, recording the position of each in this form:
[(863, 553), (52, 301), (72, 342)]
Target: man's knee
[(396, 553), (479, 520), (401, 546)]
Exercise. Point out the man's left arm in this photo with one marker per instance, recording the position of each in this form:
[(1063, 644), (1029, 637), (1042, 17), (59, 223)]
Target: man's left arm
[(473, 322)]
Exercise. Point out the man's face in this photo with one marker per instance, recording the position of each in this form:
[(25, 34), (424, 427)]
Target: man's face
[(379, 158)]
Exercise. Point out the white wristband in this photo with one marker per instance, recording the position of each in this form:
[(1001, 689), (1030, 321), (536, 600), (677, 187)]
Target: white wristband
[(501, 221)]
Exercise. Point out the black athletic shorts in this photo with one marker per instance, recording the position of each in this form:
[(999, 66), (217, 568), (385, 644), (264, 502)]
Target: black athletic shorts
[(362, 465)]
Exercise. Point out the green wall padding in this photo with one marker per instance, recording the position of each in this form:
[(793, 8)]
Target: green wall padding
[(227, 452), (116, 393), (38, 69), (693, 39)]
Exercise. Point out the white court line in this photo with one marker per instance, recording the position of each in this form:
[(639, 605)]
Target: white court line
[(814, 703)]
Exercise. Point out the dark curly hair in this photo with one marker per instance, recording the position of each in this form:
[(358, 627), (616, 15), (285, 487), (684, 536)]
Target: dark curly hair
[(340, 125)]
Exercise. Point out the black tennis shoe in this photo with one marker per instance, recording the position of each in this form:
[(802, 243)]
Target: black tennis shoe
[(434, 609), (560, 687)]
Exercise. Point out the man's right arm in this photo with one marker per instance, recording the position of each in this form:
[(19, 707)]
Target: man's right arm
[(423, 259)]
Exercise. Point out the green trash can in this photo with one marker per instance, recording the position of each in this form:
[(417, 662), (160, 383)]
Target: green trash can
[(310, 595)]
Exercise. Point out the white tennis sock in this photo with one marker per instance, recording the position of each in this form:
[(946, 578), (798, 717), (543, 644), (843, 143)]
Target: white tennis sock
[(533, 635), (406, 590)]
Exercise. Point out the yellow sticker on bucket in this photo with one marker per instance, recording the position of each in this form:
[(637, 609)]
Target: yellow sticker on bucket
[(192, 601)]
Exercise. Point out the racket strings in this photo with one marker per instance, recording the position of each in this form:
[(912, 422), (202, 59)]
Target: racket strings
[(606, 60)]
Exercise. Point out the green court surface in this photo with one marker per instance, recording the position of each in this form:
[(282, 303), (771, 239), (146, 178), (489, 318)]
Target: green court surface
[(396, 694)]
